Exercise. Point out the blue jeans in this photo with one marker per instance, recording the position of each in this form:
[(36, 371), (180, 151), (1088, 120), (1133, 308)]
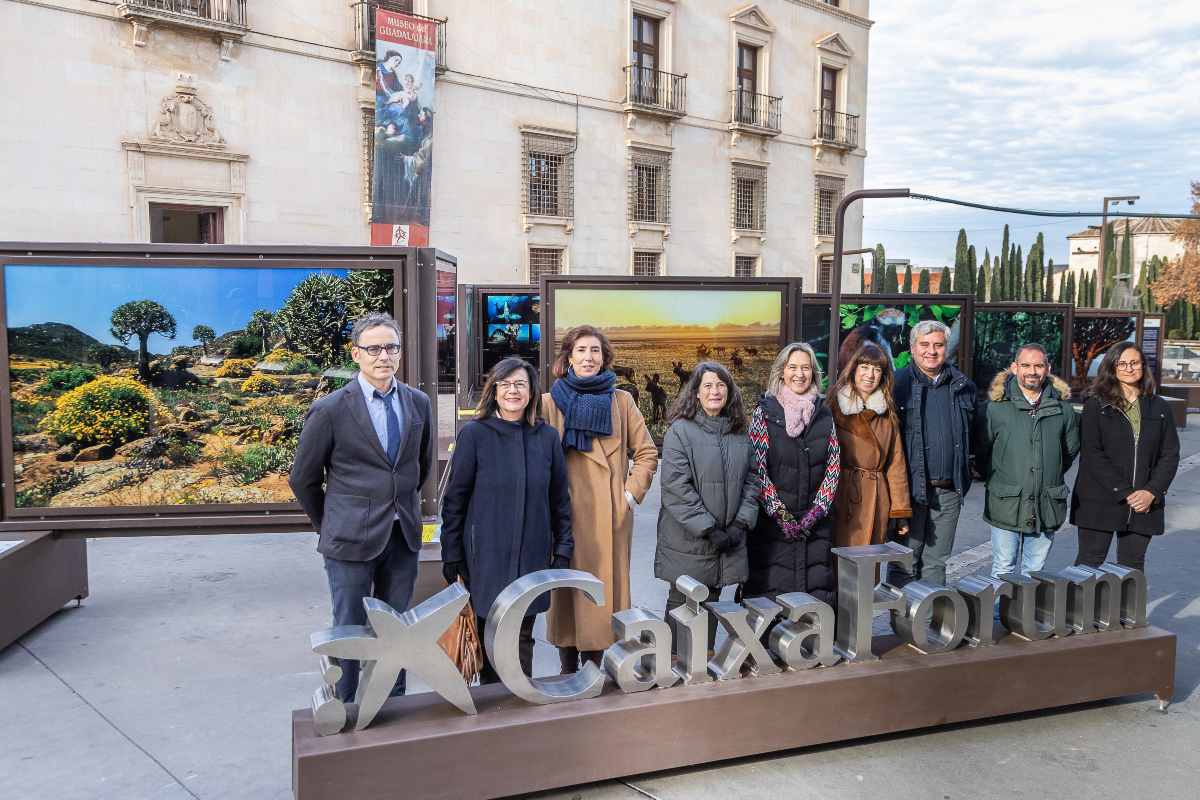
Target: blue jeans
[(1009, 547)]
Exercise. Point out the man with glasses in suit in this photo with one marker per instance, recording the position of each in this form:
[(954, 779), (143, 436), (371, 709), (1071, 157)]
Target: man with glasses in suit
[(363, 456)]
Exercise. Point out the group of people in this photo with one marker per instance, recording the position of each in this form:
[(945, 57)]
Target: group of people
[(753, 498)]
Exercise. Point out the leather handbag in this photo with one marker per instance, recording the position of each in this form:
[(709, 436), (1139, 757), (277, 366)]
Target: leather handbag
[(461, 642)]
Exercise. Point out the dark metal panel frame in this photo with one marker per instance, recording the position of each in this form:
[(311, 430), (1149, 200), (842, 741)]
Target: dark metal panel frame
[(783, 285), (1046, 308), (223, 518), (967, 301)]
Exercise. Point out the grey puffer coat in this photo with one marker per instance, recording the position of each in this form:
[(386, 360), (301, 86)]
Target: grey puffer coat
[(707, 483)]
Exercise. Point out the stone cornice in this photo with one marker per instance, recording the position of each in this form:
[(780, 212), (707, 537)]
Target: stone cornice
[(818, 5)]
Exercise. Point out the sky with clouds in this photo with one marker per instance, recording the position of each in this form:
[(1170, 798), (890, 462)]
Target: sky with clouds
[(1030, 104)]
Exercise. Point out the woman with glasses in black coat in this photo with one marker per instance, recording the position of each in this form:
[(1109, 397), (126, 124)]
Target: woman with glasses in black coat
[(1128, 457)]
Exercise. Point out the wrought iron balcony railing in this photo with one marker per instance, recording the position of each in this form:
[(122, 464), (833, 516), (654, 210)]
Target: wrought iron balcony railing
[(759, 111), (655, 90), (364, 27), (836, 127), (227, 12)]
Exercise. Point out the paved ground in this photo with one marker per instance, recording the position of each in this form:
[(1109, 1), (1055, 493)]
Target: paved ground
[(176, 679)]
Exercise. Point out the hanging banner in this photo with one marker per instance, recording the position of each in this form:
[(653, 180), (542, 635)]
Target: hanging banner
[(405, 58)]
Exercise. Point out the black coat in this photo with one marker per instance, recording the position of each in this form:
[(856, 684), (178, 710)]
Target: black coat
[(909, 394), (796, 467), (507, 510), (1110, 471)]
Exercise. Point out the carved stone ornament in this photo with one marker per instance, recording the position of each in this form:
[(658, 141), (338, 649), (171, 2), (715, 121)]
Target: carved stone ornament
[(184, 118)]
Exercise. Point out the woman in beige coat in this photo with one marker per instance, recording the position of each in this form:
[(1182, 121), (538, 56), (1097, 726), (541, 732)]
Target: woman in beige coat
[(602, 430), (873, 489)]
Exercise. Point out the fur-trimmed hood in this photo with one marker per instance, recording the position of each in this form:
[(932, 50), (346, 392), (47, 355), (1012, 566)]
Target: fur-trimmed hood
[(996, 390)]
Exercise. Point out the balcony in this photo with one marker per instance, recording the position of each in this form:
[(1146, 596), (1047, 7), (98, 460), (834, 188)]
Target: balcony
[(364, 31), (758, 114), (653, 91), (224, 19), (836, 129)]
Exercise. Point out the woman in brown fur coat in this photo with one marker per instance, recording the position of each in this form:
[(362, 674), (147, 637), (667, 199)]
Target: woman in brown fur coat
[(874, 484)]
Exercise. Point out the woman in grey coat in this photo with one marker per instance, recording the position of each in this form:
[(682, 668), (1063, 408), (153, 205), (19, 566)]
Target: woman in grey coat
[(709, 490)]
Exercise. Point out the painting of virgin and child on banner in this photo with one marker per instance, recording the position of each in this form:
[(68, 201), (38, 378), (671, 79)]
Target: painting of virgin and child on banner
[(405, 61)]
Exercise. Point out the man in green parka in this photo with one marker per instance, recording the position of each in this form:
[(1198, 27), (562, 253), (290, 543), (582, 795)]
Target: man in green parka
[(1027, 440)]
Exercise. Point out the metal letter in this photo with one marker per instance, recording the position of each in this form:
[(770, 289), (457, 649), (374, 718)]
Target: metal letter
[(858, 597), (329, 713), (1133, 594), (391, 642), (641, 656), (1018, 611), (806, 618), (504, 627), (1108, 600), (691, 639), (1052, 601), (745, 623), (934, 618), (979, 592), (1081, 599)]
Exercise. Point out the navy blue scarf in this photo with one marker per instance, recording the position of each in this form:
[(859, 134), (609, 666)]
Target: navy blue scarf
[(586, 406)]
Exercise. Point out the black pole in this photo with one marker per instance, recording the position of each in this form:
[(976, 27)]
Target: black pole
[(835, 283)]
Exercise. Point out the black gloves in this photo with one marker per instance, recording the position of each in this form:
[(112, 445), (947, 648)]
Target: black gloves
[(560, 562), (726, 539), (453, 570)]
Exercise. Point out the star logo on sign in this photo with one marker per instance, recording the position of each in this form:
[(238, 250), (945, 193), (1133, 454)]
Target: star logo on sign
[(391, 642)]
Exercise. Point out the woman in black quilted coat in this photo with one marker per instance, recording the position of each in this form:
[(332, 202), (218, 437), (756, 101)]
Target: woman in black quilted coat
[(798, 462)]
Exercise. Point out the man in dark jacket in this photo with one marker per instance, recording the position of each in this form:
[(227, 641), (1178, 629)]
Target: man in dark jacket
[(1027, 442), (936, 405), (363, 456)]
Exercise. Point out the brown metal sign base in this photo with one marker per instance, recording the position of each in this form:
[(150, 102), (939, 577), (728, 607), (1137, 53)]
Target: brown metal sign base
[(37, 578), (422, 747)]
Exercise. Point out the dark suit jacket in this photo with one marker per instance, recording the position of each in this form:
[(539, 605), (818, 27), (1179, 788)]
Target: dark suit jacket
[(362, 492)]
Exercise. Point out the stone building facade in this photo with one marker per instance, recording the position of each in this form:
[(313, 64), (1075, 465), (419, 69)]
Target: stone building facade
[(673, 137)]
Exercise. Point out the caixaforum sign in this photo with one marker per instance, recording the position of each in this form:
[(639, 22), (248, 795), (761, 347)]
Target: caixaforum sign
[(807, 633)]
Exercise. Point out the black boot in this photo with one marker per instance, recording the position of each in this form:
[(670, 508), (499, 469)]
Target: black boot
[(593, 656), (568, 658)]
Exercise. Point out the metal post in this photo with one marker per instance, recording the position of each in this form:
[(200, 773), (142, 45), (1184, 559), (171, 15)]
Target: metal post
[(1103, 225), (835, 278)]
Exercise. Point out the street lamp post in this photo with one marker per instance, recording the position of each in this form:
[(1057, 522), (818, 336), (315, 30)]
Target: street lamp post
[(835, 278), (1129, 198)]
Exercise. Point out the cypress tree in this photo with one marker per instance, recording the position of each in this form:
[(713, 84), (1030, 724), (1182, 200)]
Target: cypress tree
[(1155, 265), (908, 284), (1048, 294), (944, 286), (961, 278), (1110, 245), (1125, 265), (1066, 289), (1110, 278), (1015, 273), (996, 290), (1143, 290), (981, 283), (1004, 251), (1039, 275), (972, 265), (1018, 277), (878, 267), (923, 282), (889, 280)]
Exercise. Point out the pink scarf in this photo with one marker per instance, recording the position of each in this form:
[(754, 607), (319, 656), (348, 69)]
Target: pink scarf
[(797, 408)]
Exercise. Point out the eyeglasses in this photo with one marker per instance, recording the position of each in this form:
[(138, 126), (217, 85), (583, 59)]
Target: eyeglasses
[(1129, 365), (520, 386), (373, 350)]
